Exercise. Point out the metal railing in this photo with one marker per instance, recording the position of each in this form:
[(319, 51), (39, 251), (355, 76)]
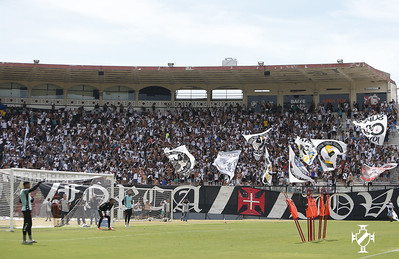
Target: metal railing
[(331, 189)]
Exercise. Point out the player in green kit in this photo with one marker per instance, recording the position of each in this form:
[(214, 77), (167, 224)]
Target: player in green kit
[(127, 201), (26, 201)]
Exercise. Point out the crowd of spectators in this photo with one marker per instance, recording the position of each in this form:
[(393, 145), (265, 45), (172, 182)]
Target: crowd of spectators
[(129, 143)]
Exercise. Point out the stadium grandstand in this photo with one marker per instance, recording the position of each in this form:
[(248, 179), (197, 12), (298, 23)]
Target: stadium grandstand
[(118, 119)]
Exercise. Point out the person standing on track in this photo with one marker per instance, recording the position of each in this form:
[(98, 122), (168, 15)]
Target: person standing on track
[(26, 201), (64, 209), (186, 210), (390, 210), (48, 209)]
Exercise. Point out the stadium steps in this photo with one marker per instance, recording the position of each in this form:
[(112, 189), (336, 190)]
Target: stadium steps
[(395, 176), (393, 139)]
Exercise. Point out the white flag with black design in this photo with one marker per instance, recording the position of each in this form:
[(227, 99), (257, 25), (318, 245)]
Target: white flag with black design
[(267, 175), (370, 173), (297, 170), (26, 134), (257, 141), (182, 161), (307, 152), (226, 162), (374, 127), (329, 150)]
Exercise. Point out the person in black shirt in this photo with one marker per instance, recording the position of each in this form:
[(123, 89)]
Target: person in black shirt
[(104, 211)]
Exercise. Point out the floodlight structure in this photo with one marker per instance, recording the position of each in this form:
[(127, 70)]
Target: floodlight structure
[(171, 64)]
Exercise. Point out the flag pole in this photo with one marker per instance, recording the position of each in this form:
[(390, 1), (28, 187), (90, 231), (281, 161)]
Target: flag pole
[(311, 214), (294, 213), (326, 214), (321, 211)]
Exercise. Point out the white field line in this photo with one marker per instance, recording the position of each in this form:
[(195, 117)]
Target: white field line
[(387, 252)]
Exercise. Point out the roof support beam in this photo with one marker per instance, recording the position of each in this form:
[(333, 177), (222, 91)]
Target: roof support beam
[(342, 73)]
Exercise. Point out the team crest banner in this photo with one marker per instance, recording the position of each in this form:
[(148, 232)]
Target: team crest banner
[(374, 127), (226, 162), (370, 173), (329, 150), (182, 161), (297, 170), (307, 151), (257, 141)]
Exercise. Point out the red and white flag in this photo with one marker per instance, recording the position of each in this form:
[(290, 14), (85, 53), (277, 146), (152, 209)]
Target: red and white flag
[(370, 173)]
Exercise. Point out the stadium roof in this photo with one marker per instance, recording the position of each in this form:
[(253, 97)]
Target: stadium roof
[(191, 76)]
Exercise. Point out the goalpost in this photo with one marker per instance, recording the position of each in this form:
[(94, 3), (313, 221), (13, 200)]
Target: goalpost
[(80, 188)]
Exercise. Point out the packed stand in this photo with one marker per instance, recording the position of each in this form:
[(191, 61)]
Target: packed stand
[(129, 143)]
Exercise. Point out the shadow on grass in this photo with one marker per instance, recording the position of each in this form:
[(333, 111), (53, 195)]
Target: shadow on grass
[(318, 241)]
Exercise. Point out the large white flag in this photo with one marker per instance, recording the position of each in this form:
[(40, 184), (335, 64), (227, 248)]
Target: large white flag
[(370, 173), (183, 162), (297, 171), (307, 152), (267, 174), (374, 127), (257, 141), (328, 150), (226, 162)]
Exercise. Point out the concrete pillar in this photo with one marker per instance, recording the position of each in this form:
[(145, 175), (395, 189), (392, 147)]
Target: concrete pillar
[(172, 97), (352, 94)]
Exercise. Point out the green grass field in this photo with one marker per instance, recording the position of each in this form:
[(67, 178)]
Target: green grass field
[(202, 239)]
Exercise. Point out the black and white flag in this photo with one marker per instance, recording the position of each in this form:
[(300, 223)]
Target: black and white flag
[(297, 170), (182, 161), (307, 152), (226, 162), (329, 150), (374, 127), (267, 174), (257, 141)]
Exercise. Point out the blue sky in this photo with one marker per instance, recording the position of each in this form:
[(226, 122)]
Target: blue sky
[(201, 33)]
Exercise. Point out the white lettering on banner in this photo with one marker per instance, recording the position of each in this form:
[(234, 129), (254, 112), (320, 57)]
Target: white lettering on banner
[(371, 205), (337, 206), (70, 191), (299, 101), (135, 191), (373, 118), (52, 191), (104, 193), (150, 195), (183, 191)]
